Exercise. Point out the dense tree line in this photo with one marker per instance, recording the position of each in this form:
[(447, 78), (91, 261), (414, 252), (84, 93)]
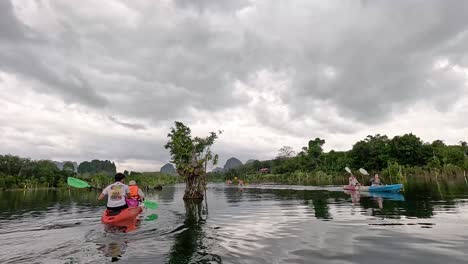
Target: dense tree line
[(17, 172), (97, 166), (376, 153)]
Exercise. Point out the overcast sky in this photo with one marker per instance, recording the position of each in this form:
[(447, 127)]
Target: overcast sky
[(82, 80)]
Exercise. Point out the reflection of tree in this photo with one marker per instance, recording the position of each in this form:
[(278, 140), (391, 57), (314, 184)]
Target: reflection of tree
[(167, 194), (189, 241), (319, 200), (41, 200)]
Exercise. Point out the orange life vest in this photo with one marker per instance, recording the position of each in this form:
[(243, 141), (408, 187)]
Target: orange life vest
[(134, 191)]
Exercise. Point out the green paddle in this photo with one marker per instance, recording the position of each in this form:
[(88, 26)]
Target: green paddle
[(150, 204), (77, 183), (151, 217)]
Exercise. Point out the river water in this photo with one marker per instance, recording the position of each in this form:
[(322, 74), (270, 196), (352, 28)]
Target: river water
[(257, 224)]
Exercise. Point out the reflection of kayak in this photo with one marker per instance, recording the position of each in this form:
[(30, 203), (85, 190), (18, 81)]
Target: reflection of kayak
[(355, 188), (387, 195), (383, 188), (125, 215)]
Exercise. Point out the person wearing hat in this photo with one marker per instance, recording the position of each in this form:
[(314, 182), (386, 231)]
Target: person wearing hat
[(116, 193), (136, 194)]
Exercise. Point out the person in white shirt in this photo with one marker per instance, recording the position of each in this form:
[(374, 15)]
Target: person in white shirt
[(116, 194)]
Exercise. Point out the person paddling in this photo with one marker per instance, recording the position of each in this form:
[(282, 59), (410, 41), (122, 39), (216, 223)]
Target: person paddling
[(353, 181), (376, 181), (136, 194), (116, 193)]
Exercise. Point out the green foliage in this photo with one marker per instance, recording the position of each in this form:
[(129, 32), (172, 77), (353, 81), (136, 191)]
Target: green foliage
[(314, 149), (408, 150), (334, 161), (68, 166), (392, 174), (145, 180), (191, 156), (97, 166), (16, 172), (400, 159), (371, 153)]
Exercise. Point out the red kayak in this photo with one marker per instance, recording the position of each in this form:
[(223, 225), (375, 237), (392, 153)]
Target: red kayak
[(125, 215)]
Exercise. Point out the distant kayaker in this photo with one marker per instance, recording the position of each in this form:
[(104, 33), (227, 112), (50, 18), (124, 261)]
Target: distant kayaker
[(116, 193), (353, 181), (136, 194), (376, 181)]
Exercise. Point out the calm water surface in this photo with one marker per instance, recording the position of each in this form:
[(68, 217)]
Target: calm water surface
[(257, 224)]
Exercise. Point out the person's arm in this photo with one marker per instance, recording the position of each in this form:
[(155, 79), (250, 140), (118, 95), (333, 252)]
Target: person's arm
[(127, 192), (103, 194)]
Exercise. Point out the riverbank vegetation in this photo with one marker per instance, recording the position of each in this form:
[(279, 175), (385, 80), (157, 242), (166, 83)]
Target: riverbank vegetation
[(24, 173), (402, 159)]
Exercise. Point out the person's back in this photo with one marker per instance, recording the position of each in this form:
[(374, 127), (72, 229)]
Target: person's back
[(116, 193)]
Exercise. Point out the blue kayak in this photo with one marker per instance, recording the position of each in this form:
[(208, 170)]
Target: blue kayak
[(386, 188)]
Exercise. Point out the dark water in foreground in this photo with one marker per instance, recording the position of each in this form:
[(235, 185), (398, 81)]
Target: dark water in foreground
[(259, 224)]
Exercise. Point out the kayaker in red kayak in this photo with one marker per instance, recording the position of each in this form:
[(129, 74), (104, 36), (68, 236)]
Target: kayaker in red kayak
[(376, 181), (136, 194), (353, 181), (116, 194)]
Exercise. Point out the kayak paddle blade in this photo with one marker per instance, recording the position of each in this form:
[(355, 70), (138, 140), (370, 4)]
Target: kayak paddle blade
[(77, 183), (363, 171), (150, 204), (151, 217), (347, 170)]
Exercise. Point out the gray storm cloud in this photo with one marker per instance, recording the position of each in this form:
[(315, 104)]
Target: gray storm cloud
[(157, 61)]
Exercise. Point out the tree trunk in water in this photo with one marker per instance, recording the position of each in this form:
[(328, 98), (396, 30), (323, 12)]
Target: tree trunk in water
[(193, 187)]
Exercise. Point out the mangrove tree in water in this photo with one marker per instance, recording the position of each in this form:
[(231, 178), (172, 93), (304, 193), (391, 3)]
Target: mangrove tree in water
[(191, 156)]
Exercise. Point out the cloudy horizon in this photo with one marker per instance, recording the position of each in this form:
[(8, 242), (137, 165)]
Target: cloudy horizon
[(84, 80)]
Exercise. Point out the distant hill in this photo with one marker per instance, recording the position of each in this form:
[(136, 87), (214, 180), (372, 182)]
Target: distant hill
[(217, 169), (232, 163), (249, 161), (60, 164), (168, 169)]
